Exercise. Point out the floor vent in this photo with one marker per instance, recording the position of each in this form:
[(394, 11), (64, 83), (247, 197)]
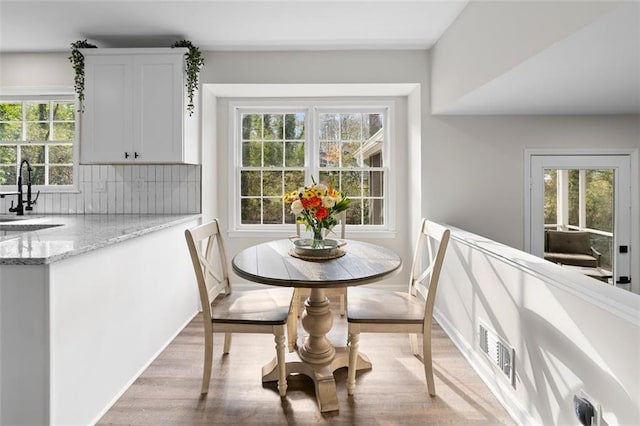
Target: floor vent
[(501, 355)]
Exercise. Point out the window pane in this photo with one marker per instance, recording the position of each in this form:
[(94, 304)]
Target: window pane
[(30, 125), (550, 196), (294, 154), (63, 132), (250, 183), (60, 175), (350, 153), (372, 123), (351, 127), (374, 183), (293, 180), (294, 126), (37, 131), (354, 213), (252, 126), (33, 153), (273, 127), (10, 112), (250, 211), (273, 154), (8, 175), (329, 154), (36, 111), (272, 183), (351, 183), (272, 210), (64, 111), (60, 154), (599, 199), (10, 131), (37, 175), (8, 155), (372, 211), (574, 197), (252, 154), (329, 127)]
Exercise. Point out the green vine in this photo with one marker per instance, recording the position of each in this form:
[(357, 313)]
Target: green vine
[(194, 61), (77, 59)]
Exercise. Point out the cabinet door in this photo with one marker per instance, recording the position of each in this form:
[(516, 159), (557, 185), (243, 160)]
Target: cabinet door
[(107, 122), (158, 108)]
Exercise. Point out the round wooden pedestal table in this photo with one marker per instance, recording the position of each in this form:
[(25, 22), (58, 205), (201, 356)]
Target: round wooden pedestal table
[(317, 357)]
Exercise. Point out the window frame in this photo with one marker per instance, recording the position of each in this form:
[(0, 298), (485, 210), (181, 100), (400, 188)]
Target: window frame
[(312, 108), (38, 96)]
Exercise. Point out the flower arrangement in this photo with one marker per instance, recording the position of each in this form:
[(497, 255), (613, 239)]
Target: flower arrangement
[(316, 206)]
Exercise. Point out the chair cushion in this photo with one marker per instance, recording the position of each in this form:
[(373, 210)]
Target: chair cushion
[(568, 242), (383, 306), (269, 306), (572, 259)]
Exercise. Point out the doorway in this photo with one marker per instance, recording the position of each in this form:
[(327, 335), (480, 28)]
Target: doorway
[(585, 192)]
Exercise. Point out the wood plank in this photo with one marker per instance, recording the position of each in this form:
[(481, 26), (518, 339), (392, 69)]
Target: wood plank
[(168, 392)]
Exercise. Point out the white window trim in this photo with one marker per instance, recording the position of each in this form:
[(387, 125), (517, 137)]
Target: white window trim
[(313, 106), (47, 94)]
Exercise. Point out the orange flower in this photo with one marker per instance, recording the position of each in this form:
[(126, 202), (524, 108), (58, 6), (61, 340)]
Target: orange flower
[(322, 212), (314, 202)]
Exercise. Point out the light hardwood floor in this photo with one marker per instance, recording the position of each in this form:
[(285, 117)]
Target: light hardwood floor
[(392, 393)]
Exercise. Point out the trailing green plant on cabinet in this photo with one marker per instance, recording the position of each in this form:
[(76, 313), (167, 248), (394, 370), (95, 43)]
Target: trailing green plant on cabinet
[(137, 108)]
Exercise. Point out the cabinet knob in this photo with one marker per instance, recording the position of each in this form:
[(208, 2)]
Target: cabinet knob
[(135, 155), (126, 154)]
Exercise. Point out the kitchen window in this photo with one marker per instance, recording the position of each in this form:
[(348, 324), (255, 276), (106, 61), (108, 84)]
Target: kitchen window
[(278, 148), (42, 130)]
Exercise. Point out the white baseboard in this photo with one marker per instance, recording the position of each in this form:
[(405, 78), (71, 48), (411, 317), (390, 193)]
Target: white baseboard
[(141, 370), (496, 384)]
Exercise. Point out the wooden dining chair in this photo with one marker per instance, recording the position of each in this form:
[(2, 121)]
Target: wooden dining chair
[(224, 311), (300, 293), (381, 311)]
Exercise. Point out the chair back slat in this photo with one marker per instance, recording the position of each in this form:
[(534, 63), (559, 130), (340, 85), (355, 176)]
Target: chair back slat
[(431, 247), (209, 262)]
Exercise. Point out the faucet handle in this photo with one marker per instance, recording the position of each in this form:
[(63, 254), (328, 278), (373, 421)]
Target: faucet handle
[(35, 199), (13, 209)]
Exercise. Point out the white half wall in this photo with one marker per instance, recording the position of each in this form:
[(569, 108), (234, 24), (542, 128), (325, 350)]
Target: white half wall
[(570, 333)]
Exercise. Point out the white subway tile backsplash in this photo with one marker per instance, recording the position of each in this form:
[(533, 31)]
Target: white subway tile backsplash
[(118, 189), (127, 173), (119, 173)]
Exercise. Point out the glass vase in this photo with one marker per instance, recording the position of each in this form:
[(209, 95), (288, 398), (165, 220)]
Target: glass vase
[(318, 240)]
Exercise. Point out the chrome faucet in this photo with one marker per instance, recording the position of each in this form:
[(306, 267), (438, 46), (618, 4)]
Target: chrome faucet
[(19, 209)]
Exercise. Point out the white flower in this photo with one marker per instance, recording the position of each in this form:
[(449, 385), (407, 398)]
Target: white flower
[(328, 202), (297, 207), (322, 187)]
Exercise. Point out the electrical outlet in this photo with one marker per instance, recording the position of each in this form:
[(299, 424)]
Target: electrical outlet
[(588, 411)]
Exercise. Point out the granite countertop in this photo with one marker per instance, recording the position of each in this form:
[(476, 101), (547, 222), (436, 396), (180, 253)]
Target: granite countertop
[(36, 240)]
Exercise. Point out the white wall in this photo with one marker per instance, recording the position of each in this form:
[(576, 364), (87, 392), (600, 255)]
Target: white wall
[(491, 37), (477, 164), (571, 333)]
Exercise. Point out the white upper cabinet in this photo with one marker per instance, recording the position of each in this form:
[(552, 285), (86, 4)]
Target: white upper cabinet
[(135, 108)]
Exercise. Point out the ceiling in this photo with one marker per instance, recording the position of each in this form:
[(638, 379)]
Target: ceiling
[(51, 25), (599, 72)]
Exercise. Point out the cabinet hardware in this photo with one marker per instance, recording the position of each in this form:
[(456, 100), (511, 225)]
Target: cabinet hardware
[(126, 154)]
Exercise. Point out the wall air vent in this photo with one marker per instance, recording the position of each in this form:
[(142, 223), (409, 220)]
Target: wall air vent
[(501, 355)]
